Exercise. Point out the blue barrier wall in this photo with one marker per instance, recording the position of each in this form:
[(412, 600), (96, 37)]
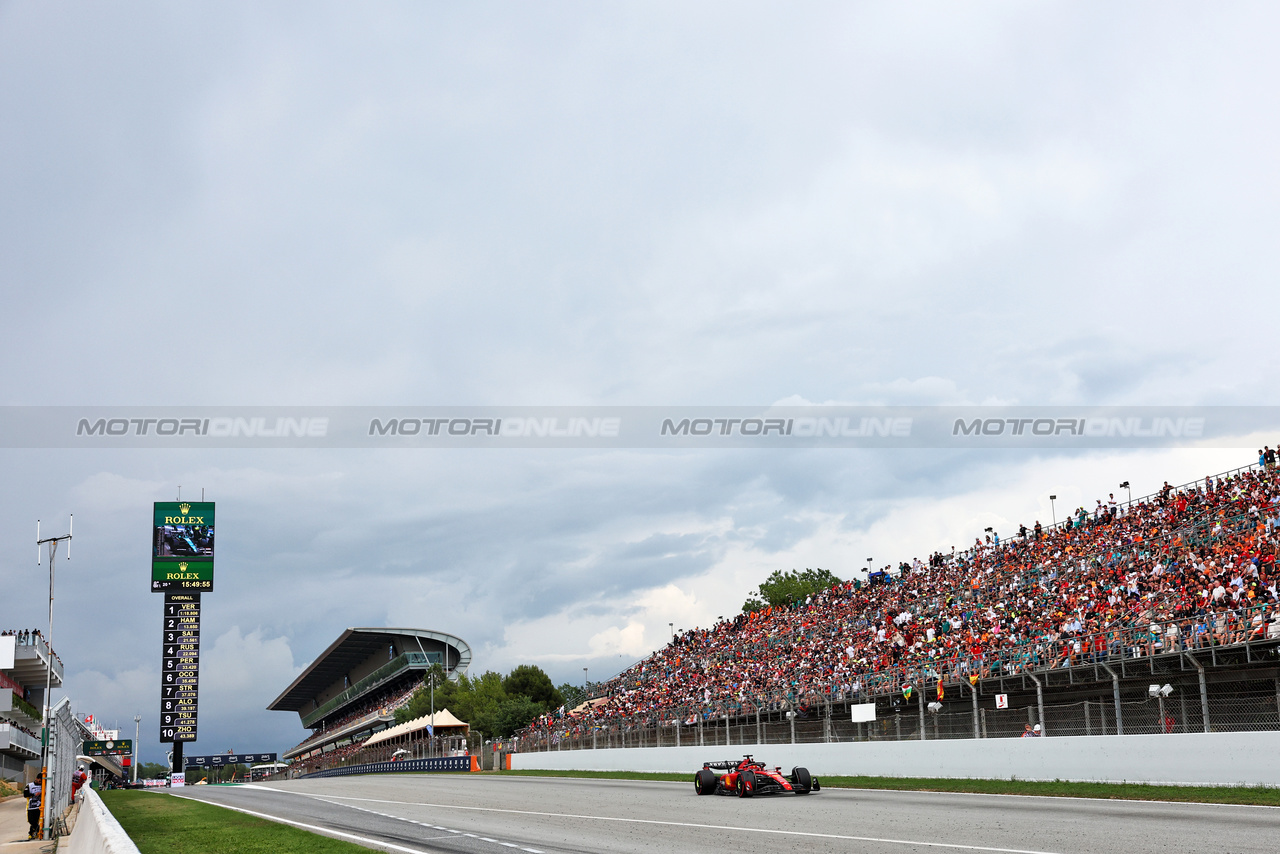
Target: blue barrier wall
[(443, 763)]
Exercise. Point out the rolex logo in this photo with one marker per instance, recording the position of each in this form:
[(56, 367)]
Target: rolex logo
[(182, 567), (185, 508)]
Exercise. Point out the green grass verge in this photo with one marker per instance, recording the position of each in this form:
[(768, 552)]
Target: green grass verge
[(1254, 795), (161, 824)]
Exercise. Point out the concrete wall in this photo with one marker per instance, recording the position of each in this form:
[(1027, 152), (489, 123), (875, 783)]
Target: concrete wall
[(1204, 758), (96, 830)]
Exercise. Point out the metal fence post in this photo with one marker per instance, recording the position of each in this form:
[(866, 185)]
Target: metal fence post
[(973, 694), (1115, 689), (1044, 727), (921, 705), (1204, 691)]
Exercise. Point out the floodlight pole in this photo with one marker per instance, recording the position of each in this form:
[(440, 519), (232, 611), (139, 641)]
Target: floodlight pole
[(137, 726), (45, 818)]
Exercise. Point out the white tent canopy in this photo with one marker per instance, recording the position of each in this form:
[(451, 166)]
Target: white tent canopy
[(442, 719)]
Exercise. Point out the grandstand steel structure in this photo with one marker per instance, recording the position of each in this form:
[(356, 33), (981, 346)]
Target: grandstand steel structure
[(354, 687)]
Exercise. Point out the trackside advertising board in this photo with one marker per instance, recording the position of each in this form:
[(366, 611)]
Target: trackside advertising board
[(107, 748)]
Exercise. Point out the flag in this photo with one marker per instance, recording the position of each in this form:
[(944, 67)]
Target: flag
[(973, 680), (939, 690), (906, 691)]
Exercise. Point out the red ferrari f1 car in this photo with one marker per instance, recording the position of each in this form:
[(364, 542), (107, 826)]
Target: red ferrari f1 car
[(747, 777)]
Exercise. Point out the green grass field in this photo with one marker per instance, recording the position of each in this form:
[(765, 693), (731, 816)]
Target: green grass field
[(1255, 795), (162, 824)]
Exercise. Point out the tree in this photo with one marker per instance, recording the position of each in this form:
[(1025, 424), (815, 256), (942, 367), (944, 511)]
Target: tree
[(420, 704), (491, 704), (786, 588), (515, 714), (574, 696), (531, 681), (152, 770)]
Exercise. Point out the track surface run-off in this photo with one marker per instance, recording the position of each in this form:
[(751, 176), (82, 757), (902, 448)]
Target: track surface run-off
[(482, 813)]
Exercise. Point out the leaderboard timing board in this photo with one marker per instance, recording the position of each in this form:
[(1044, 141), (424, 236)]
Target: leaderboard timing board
[(180, 667)]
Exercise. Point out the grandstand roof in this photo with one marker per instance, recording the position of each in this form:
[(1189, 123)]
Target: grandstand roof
[(351, 648)]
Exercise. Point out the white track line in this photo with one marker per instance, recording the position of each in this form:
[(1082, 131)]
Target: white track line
[(806, 834), (373, 843)]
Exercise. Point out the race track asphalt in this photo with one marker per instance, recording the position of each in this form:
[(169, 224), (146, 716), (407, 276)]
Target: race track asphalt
[(488, 814)]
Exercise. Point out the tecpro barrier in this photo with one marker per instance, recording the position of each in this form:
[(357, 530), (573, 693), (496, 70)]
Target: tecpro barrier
[(1218, 759), (443, 763), (96, 830)]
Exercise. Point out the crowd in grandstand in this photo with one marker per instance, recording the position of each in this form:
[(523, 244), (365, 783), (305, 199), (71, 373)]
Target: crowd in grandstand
[(1182, 569)]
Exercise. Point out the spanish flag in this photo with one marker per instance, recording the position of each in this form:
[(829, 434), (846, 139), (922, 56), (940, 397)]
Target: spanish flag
[(939, 690), (973, 679)]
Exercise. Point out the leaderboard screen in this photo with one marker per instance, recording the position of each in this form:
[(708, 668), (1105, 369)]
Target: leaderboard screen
[(182, 539)]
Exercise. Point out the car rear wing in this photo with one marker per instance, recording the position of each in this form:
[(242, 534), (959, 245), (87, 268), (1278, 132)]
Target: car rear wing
[(728, 765)]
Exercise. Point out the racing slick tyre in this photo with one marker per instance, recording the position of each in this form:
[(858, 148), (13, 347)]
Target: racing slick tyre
[(704, 782), (746, 784), (801, 781)]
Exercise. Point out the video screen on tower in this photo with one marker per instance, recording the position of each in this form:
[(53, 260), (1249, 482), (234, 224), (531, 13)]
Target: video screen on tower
[(182, 546), (183, 529)]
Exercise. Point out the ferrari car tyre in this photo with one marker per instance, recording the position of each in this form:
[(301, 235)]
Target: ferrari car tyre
[(704, 782), (746, 784), (801, 780)]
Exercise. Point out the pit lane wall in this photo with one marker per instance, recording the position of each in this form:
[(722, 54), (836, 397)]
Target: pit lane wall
[(1217, 759)]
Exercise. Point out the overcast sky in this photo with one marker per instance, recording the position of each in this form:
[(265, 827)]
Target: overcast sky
[(580, 204)]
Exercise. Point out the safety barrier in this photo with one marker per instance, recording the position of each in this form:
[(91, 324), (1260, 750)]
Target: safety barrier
[(1245, 758), (443, 763), (97, 831)]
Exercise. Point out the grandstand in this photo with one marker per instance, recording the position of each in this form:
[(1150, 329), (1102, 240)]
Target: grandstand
[(1152, 615), (353, 688)]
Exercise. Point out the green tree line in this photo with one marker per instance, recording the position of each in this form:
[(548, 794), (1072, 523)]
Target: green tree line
[(787, 588), (494, 705)]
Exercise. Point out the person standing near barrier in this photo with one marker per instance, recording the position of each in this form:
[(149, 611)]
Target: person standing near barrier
[(77, 780), (33, 809)]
